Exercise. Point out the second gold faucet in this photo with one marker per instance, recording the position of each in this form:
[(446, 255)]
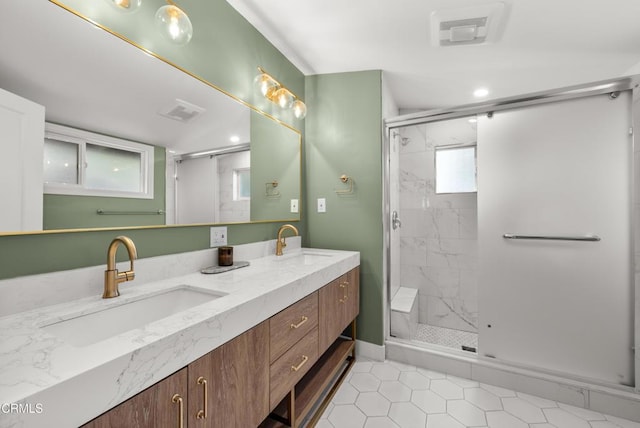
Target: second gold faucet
[(280, 242)]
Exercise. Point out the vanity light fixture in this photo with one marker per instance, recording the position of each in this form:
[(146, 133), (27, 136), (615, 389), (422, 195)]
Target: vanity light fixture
[(125, 5), (173, 23), (277, 93)]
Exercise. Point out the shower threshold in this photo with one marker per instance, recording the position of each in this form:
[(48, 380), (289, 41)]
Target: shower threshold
[(456, 339)]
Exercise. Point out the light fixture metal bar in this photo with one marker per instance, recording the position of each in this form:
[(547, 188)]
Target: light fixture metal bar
[(263, 71)]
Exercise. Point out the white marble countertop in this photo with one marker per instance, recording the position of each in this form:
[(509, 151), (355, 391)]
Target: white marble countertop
[(60, 385)]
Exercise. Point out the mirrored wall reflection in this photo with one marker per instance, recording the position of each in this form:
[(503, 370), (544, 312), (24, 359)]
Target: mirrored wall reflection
[(438, 238), (109, 87), (214, 188)]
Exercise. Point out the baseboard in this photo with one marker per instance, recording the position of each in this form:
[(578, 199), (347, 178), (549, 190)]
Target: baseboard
[(370, 351)]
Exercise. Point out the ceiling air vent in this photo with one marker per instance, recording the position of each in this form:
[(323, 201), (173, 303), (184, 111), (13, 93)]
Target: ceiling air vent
[(466, 26), (181, 111)]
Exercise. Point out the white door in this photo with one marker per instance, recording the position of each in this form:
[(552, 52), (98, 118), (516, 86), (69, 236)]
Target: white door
[(22, 125), (558, 170)]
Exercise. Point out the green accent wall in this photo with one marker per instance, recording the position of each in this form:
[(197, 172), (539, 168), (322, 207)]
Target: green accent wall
[(68, 212), (344, 136), (275, 156), (225, 50)]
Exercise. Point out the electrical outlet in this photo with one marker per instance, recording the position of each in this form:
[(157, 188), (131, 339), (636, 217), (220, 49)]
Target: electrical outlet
[(322, 205), (218, 236), (294, 205)]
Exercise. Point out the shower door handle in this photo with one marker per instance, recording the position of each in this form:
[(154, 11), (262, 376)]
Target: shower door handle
[(395, 221)]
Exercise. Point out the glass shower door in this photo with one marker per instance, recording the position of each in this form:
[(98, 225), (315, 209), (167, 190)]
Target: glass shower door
[(552, 179)]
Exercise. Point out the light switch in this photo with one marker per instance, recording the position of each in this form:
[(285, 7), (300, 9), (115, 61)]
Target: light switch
[(218, 236), (294, 205), (322, 205)]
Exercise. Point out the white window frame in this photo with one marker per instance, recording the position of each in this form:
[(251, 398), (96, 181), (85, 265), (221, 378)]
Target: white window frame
[(82, 138)]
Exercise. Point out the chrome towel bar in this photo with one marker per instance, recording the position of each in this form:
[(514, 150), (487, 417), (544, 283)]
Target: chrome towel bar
[(106, 212), (588, 238)]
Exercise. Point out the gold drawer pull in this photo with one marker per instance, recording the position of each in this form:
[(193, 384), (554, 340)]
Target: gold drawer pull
[(344, 299), (299, 366), (302, 321), (344, 284), (202, 414), (178, 399)]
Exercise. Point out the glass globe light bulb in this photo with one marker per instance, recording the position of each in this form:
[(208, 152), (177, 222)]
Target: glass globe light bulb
[(283, 98), (266, 85), (125, 5), (299, 109), (174, 24)]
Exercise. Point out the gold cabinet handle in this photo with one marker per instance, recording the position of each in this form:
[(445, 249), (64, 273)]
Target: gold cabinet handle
[(202, 414), (178, 399), (302, 363), (346, 291), (302, 321)]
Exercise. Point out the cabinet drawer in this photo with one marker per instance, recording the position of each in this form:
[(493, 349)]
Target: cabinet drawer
[(290, 325), (287, 370)]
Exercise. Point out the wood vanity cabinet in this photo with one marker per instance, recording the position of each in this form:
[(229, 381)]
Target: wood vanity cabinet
[(339, 304), (235, 377), (279, 368), (162, 405), (234, 381)]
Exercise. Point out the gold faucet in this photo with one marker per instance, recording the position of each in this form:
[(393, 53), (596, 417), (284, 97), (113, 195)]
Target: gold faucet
[(111, 276), (280, 242)]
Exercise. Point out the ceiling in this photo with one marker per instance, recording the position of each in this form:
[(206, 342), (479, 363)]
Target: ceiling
[(539, 44)]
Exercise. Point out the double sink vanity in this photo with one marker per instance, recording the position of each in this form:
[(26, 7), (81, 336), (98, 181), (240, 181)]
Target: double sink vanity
[(257, 346)]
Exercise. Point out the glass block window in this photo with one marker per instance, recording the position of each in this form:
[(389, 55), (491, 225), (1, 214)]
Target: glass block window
[(456, 169), (78, 162)]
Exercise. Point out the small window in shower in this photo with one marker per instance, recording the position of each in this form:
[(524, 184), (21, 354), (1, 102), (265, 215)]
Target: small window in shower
[(456, 169)]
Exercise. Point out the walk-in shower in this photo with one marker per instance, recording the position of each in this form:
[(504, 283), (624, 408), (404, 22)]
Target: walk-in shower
[(510, 233), (437, 202)]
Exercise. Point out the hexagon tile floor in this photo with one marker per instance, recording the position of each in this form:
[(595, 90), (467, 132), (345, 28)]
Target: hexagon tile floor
[(395, 395)]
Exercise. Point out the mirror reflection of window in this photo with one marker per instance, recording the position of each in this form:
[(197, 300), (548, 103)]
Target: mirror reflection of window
[(456, 169), (60, 162), (83, 163), (241, 184), (109, 168)]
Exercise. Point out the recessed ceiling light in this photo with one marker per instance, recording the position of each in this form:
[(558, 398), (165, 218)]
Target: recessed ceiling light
[(473, 120), (234, 139), (481, 92)]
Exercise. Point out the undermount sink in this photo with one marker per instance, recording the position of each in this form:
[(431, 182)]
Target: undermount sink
[(309, 256), (94, 327)]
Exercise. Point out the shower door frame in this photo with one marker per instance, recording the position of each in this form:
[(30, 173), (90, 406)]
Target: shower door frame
[(572, 92)]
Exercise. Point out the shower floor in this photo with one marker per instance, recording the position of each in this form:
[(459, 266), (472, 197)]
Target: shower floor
[(446, 336)]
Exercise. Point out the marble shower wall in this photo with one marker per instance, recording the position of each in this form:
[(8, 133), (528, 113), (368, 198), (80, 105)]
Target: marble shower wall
[(438, 238), (231, 210)]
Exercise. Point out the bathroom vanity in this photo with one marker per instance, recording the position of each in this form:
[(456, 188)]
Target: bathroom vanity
[(267, 341)]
